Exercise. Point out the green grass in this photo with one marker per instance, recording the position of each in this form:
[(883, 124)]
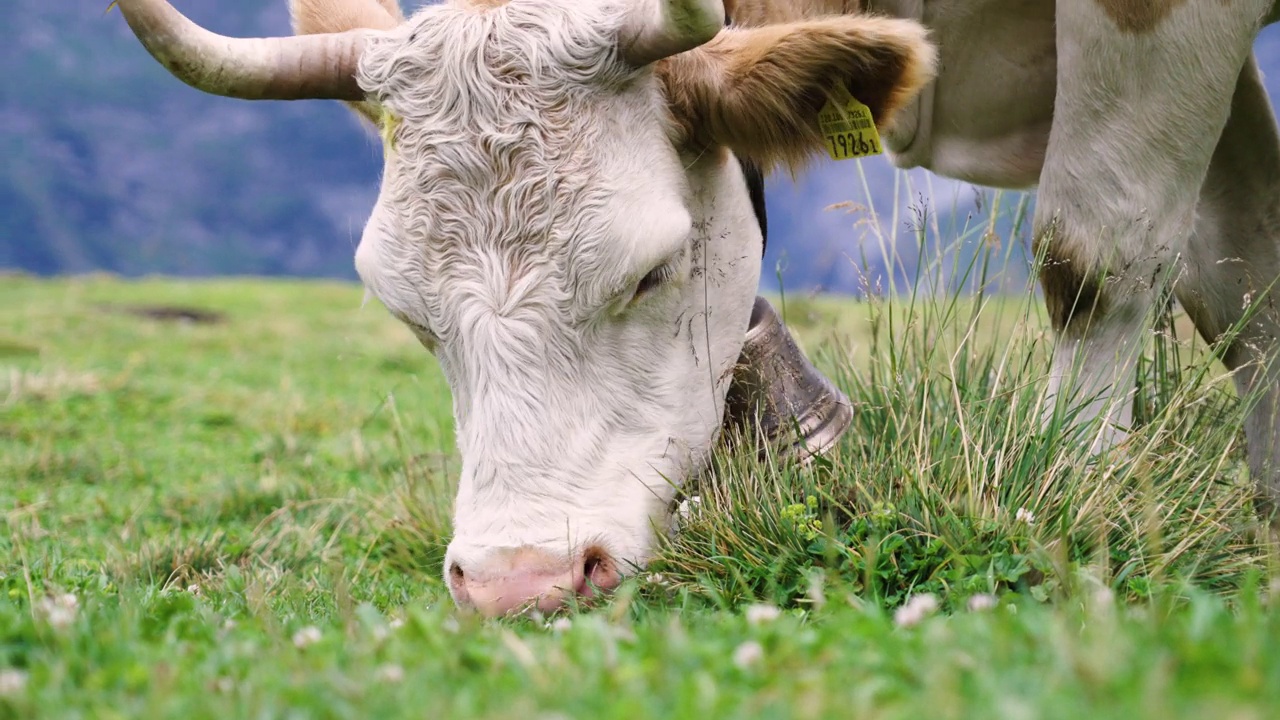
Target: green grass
[(251, 517)]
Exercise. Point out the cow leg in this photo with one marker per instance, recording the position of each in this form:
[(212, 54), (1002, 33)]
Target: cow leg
[(1233, 262), (1142, 98)]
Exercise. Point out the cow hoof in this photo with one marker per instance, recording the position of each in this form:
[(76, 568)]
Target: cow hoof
[(778, 398)]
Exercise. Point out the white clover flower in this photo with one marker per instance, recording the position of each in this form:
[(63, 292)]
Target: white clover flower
[(308, 635), (816, 591), (60, 618), (1025, 516), (623, 634), (59, 612), (981, 602), (656, 579), (685, 511), (915, 609), (12, 682), (560, 625), (761, 614), (389, 673), (747, 654), (396, 623)]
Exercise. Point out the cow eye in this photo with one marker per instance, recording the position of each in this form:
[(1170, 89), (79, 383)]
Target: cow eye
[(660, 275), (654, 278)]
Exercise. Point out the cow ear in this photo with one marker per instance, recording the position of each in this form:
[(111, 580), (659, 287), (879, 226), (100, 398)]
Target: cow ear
[(332, 16), (312, 17), (758, 91)]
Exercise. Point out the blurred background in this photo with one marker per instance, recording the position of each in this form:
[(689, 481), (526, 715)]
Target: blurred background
[(107, 163)]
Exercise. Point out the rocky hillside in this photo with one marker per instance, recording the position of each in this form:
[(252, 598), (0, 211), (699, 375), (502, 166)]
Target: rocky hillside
[(110, 164)]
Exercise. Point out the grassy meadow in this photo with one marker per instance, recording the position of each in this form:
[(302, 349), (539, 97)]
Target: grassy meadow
[(243, 514)]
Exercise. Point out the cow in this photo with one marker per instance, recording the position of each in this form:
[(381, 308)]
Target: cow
[(1142, 124), (1146, 131), (566, 220)]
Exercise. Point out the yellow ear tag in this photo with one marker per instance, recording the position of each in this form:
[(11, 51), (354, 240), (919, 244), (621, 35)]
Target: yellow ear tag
[(390, 121), (847, 126)]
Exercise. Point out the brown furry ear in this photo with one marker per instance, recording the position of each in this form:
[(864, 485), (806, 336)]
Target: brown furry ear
[(311, 17), (758, 91), (324, 16), (754, 13)]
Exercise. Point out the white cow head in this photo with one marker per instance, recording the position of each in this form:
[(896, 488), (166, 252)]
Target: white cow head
[(564, 224)]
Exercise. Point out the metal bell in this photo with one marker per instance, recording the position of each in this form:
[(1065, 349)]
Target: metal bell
[(776, 392)]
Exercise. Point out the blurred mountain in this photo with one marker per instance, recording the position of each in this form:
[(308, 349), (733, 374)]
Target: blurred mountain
[(111, 164)]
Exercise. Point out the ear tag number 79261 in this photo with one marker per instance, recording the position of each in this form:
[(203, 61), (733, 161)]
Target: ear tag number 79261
[(847, 126)]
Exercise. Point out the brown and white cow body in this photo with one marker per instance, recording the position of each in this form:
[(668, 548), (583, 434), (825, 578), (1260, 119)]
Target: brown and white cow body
[(1151, 142), (1145, 128)]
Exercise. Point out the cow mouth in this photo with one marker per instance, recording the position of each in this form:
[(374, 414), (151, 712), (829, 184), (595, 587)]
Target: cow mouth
[(778, 400)]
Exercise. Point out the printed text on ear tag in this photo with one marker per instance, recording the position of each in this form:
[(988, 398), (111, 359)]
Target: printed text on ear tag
[(847, 127)]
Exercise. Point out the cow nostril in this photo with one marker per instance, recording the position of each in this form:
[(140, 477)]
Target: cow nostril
[(458, 585), (591, 563), (599, 571)]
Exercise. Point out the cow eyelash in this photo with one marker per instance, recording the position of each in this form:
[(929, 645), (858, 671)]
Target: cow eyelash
[(655, 278)]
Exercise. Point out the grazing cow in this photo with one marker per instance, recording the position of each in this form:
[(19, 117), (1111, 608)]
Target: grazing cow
[(563, 220), (1143, 123)]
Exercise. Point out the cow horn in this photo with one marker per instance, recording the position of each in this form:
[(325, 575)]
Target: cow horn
[(656, 29), (311, 67)]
